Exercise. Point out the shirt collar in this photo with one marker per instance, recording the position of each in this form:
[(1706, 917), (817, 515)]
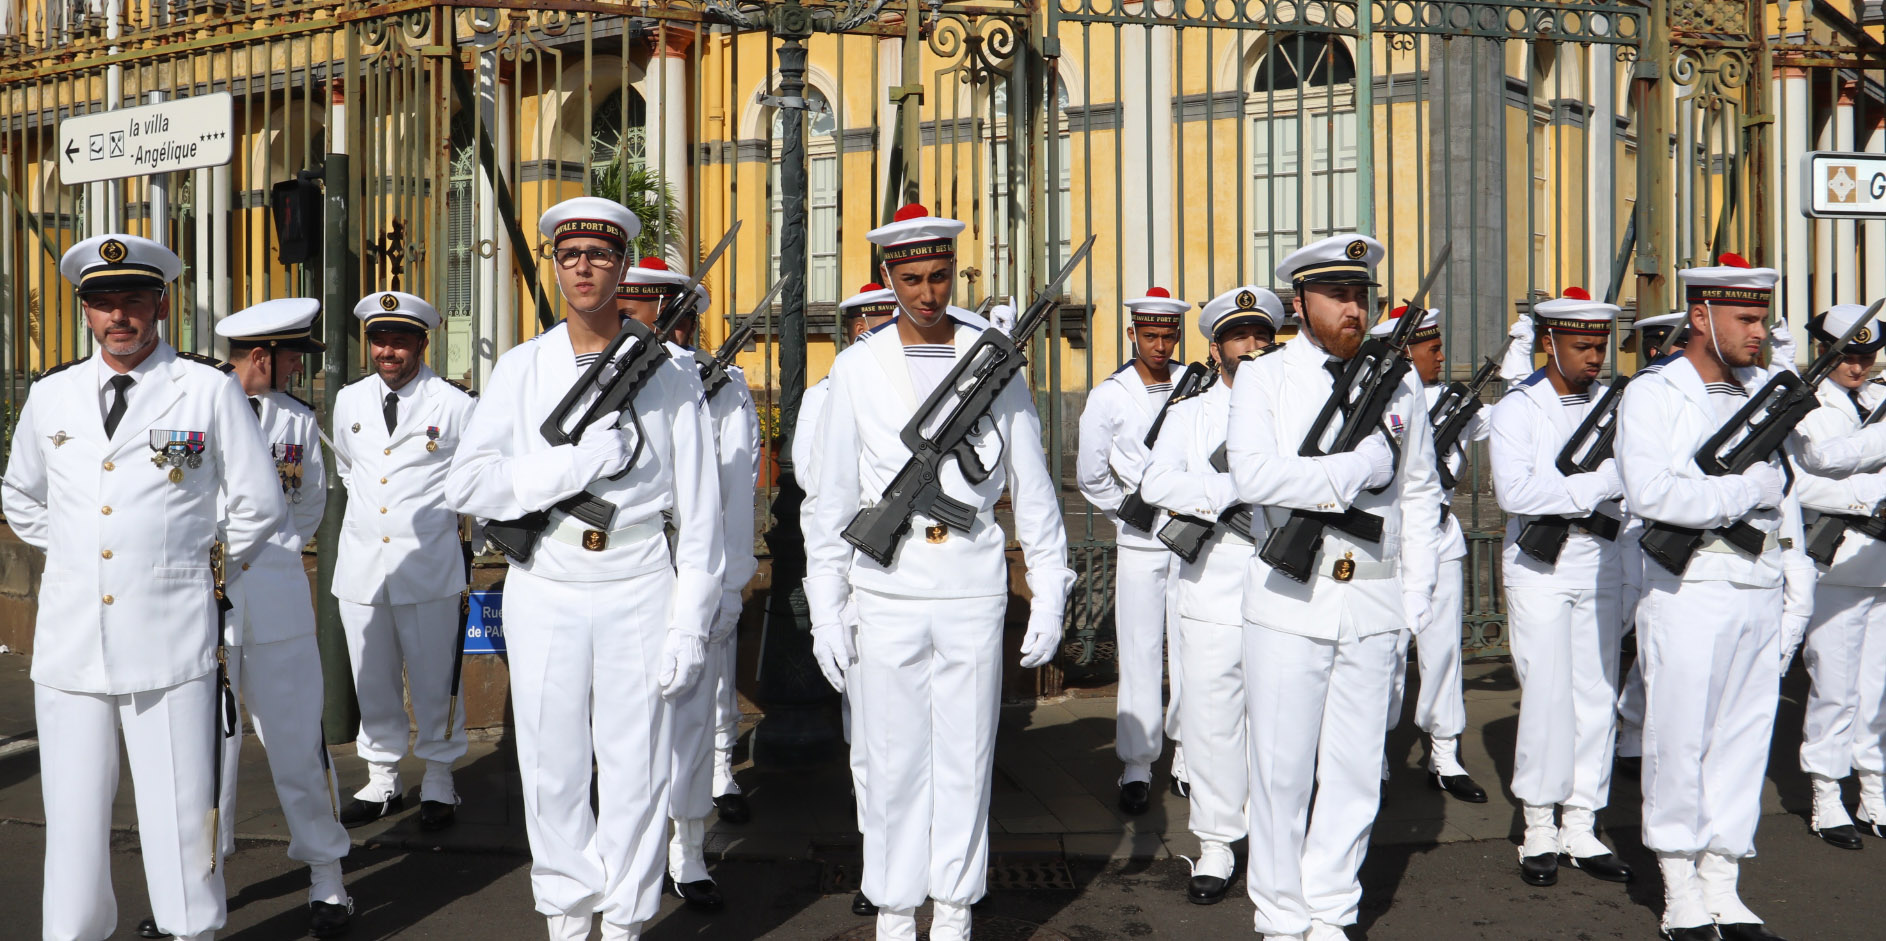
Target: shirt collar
[(139, 373), (407, 391)]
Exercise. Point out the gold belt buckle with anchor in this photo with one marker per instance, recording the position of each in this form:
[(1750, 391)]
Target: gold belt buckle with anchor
[(595, 540), (1345, 567)]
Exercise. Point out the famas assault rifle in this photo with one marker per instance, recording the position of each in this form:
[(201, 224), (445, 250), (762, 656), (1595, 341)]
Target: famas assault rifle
[(1758, 430), (960, 402), (1134, 510), (1828, 532), (1589, 446), (1454, 410), (714, 368), (615, 392)]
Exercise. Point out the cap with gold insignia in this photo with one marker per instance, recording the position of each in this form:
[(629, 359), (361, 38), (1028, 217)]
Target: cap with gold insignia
[(914, 235), (872, 300), (119, 263), (396, 310), (1339, 259), (1157, 309), (649, 279), (702, 301), (1239, 306), (1829, 325), (590, 217), (1428, 329), (1653, 331), (1573, 311), (285, 323), (1731, 280)]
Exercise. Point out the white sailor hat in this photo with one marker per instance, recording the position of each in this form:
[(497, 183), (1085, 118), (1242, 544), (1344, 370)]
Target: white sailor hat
[(1732, 280), (590, 217), (1655, 330), (396, 310), (1831, 324), (1238, 307), (1157, 309), (285, 323), (1675, 318), (914, 235), (119, 263), (872, 300), (1428, 329), (1339, 259), (649, 280), (702, 301), (1573, 311)]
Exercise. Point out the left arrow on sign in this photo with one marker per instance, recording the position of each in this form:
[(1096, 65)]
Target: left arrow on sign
[(71, 150)]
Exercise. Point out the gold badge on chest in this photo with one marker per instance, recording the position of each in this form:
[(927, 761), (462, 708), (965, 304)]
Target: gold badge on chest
[(936, 534), (1345, 567)]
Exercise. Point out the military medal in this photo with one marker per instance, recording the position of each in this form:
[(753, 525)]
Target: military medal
[(432, 437), (58, 438), (177, 450), (288, 466), (356, 427)]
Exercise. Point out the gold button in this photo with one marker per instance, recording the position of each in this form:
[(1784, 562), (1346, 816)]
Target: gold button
[(108, 599), (386, 538), (106, 511), (387, 451), (106, 553), (245, 566), (110, 466), (383, 509), (383, 480)]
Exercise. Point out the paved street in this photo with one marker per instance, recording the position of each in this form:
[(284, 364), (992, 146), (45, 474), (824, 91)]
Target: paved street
[(1064, 859)]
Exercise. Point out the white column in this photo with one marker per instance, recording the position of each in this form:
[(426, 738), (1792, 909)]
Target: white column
[(493, 301), (667, 83), (1823, 230), (1796, 245), (1600, 161), (890, 53), (1873, 235), (1846, 275), (1146, 129)]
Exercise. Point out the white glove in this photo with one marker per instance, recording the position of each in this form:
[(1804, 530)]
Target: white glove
[(1613, 480), (1781, 345), (728, 618), (603, 450), (1419, 610), (1043, 637), (682, 657), (1793, 628), (1129, 460), (832, 648), (1381, 457), (1767, 480), (1521, 329)]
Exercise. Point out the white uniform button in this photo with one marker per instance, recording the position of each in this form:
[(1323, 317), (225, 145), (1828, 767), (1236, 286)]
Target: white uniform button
[(106, 511), (105, 554), (108, 599)]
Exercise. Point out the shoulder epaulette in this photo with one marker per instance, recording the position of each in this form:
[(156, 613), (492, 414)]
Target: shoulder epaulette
[(454, 383), (1266, 350), (1876, 380), (68, 364), (209, 361), (307, 404)]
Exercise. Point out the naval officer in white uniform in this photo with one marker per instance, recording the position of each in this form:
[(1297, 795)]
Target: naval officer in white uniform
[(400, 568), (1320, 655), (123, 466), (605, 626), (273, 661), (929, 636)]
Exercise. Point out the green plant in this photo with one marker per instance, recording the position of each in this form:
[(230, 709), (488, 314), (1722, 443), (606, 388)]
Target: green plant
[(769, 422), (622, 173)]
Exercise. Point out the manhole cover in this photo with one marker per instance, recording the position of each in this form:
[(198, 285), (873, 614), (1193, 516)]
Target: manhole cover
[(982, 928)]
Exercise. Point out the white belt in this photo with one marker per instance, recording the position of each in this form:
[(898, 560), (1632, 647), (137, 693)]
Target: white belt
[(568, 529), (1715, 543), (1347, 568)]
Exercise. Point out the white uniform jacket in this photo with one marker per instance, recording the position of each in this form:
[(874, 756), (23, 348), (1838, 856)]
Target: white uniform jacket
[(1181, 479), (861, 449), (126, 603), (1860, 562), (1665, 416), (736, 427), (805, 449), (1273, 405), (505, 469), (1451, 544), (1528, 428), (1112, 449), (276, 581), (399, 542)]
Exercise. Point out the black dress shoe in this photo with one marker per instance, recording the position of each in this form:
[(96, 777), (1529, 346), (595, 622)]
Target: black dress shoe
[(1606, 866), (359, 813), (148, 929), (863, 907), (1747, 931), (1629, 766), (1135, 797), (1206, 890), (1459, 785), (1696, 933), (1542, 869), (733, 808), (703, 895), (329, 920), (436, 815), (1870, 828), (1845, 837)]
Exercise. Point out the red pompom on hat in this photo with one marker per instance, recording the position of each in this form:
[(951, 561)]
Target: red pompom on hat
[(1158, 292), (909, 212), (873, 286), (652, 263), (1732, 260), (1576, 294), (1397, 312)]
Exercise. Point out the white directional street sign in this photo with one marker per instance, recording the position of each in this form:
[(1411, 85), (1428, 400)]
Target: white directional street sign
[(185, 134), (1844, 186)]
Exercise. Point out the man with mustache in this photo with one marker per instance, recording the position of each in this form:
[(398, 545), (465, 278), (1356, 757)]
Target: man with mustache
[(606, 626), (929, 638), (399, 567), (1714, 637), (1319, 655), (1562, 606), (127, 468), (1109, 465)]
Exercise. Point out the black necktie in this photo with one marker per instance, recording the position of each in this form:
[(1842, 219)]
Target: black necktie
[(255, 405), (116, 412), (391, 411)]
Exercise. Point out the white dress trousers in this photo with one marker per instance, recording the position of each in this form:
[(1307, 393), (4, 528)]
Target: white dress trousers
[(1844, 700), (284, 705), (383, 640), (1565, 651)]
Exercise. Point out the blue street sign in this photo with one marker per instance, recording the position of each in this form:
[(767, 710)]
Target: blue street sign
[(484, 624)]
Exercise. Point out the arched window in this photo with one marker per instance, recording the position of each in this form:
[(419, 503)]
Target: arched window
[(821, 135), (1301, 113), (618, 124)]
